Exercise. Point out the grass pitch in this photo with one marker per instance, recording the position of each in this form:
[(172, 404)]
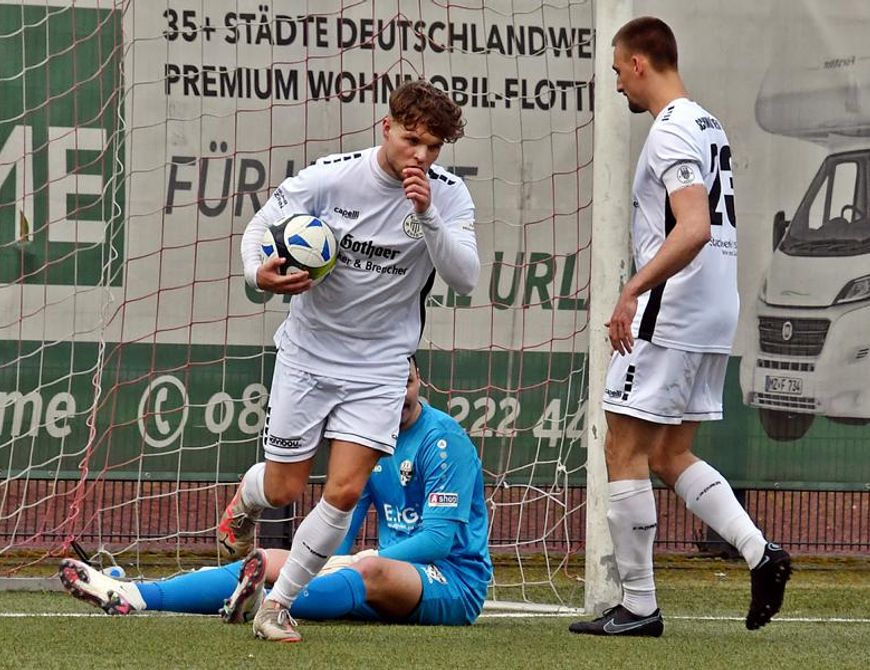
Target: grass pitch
[(825, 623)]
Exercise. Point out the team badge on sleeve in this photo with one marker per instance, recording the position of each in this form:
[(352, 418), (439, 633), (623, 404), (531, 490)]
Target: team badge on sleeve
[(685, 174), (680, 175)]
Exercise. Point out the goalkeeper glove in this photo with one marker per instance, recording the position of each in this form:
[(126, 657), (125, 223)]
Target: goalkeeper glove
[(336, 563)]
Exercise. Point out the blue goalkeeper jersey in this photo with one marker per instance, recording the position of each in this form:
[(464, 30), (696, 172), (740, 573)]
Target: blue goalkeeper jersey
[(434, 473)]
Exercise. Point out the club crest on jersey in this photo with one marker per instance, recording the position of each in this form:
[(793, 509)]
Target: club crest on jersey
[(443, 500), (406, 472), (685, 174), (412, 227)]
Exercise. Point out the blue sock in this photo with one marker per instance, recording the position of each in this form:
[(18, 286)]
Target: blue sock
[(331, 597), (199, 592)]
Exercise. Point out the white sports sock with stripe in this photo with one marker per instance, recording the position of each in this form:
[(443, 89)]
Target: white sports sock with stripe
[(253, 488), (709, 496), (632, 520), (316, 539)]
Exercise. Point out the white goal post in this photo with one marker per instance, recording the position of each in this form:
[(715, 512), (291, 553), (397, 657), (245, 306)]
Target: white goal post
[(610, 269)]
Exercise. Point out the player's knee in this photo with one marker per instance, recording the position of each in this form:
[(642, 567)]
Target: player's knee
[(343, 495), (658, 463), (280, 493), (373, 571), (666, 465)]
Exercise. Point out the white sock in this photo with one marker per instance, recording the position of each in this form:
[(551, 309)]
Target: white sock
[(708, 495), (316, 539), (253, 491), (632, 520)]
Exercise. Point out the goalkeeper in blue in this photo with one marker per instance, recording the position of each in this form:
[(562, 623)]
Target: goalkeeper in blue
[(432, 565)]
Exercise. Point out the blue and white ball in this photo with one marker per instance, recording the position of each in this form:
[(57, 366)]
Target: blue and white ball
[(306, 242)]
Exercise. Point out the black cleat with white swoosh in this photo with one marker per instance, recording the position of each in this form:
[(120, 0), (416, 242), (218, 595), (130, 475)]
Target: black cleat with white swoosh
[(768, 585), (619, 621)]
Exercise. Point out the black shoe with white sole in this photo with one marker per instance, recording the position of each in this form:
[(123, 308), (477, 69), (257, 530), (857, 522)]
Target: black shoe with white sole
[(619, 621)]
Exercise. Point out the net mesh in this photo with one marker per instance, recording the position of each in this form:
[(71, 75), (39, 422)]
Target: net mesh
[(136, 141)]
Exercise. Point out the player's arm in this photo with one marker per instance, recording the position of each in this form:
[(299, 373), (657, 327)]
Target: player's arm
[(452, 244), (688, 237), (676, 160), (294, 195), (432, 542), (266, 276)]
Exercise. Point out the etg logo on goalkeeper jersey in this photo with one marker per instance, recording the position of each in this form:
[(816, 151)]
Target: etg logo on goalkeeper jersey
[(443, 500)]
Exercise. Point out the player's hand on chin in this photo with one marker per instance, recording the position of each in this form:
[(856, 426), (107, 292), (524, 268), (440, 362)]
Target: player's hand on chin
[(416, 185), (269, 278)]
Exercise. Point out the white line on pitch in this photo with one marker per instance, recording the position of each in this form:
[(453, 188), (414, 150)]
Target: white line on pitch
[(486, 615), (84, 615), (538, 615), (790, 619)]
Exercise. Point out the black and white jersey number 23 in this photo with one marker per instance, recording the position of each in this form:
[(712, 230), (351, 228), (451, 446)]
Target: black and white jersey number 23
[(722, 204)]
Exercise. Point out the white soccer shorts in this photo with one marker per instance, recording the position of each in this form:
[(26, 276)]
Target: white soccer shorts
[(305, 408), (664, 385)]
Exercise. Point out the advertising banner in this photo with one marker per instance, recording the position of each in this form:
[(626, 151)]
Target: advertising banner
[(137, 139)]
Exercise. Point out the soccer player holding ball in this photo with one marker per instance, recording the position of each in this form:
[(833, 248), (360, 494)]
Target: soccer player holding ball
[(343, 350), (432, 565)]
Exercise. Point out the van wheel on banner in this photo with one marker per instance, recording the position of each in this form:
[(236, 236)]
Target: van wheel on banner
[(785, 426)]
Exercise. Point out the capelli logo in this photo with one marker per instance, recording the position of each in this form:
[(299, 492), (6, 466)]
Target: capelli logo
[(347, 213)]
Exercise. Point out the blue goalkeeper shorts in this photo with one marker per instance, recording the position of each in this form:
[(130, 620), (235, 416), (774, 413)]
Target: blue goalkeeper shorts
[(446, 599)]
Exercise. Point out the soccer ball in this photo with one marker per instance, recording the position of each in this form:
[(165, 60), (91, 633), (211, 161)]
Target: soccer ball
[(305, 241)]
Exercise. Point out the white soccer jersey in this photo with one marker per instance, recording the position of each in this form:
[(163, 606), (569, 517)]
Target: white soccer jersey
[(365, 319), (696, 309)]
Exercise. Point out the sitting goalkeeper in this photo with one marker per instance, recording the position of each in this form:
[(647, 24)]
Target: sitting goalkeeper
[(432, 565)]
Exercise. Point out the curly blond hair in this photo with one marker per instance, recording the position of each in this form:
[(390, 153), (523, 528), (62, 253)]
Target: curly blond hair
[(419, 102)]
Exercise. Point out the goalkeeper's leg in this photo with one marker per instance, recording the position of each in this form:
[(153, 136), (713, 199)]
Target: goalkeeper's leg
[(200, 592), (373, 589), (383, 589)]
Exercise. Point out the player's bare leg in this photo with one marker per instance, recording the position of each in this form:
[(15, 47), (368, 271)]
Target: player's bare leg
[(393, 588), (632, 520), (709, 496), (317, 537), (269, 484)]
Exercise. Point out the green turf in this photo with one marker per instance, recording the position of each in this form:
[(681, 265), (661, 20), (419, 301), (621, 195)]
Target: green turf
[(686, 588)]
